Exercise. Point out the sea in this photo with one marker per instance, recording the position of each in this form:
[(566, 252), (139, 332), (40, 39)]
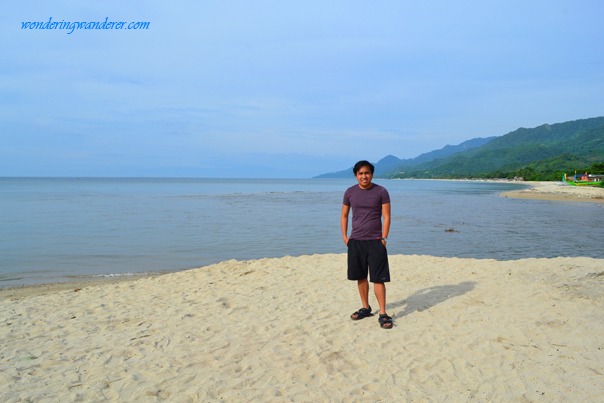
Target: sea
[(64, 229)]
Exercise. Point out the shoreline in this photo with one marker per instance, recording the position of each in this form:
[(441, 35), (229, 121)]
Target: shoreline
[(541, 190), (557, 191), (40, 289), (273, 329)]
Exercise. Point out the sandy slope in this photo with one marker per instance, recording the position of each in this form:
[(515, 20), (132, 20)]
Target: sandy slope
[(559, 191), (279, 330)]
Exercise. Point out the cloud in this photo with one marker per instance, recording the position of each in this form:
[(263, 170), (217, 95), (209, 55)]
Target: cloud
[(238, 83)]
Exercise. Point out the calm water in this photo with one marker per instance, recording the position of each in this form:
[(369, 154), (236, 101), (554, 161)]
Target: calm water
[(55, 229)]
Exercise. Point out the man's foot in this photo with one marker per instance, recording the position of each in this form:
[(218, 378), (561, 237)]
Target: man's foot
[(361, 313), (385, 321)]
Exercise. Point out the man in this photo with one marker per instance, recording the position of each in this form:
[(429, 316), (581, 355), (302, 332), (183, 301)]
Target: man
[(367, 242)]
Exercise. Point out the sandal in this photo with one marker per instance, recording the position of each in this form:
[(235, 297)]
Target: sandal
[(385, 321), (361, 313)]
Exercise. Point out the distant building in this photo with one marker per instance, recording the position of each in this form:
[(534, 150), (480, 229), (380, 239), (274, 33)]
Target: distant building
[(583, 178)]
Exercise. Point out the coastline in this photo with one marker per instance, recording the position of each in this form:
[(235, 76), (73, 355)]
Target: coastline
[(557, 191), (274, 329), (33, 290)]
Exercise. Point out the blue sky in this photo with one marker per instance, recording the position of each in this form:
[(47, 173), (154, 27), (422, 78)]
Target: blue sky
[(284, 88)]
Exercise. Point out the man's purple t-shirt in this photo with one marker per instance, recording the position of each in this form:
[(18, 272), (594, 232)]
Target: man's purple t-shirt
[(366, 207)]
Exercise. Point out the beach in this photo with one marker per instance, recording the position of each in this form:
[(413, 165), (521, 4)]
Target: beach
[(279, 330), (558, 191)]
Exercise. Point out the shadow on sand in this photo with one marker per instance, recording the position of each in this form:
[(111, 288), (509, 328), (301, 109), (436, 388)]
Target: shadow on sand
[(429, 297)]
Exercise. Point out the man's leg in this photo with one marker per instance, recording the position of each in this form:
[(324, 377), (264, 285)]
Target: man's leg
[(364, 292), (380, 294)]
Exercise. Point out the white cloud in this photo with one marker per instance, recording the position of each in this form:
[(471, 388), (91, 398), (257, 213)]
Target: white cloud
[(337, 81)]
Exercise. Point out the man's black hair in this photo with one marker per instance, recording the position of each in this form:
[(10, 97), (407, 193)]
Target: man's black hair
[(362, 164)]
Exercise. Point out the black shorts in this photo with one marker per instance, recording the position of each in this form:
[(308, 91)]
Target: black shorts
[(368, 257)]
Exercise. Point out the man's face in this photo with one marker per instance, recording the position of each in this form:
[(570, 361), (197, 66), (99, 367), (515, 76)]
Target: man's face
[(364, 177)]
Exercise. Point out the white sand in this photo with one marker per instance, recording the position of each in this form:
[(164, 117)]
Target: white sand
[(278, 330), (559, 191)]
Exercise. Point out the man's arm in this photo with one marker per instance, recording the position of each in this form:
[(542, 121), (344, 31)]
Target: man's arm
[(344, 222), (386, 222)]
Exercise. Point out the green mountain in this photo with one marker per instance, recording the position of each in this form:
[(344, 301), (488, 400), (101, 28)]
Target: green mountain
[(390, 164), (537, 153)]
